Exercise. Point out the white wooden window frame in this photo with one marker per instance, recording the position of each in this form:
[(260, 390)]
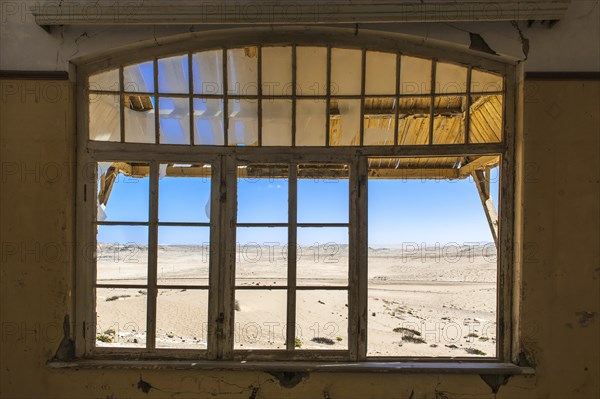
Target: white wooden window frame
[(223, 198)]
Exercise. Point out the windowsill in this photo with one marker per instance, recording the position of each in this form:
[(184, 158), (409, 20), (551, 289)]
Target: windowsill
[(302, 366)]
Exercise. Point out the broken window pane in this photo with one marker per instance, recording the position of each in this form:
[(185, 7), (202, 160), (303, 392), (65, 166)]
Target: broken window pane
[(485, 81), (414, 120), (184, 192), (208, 72), (260, 319), (450, 78), (449, 120), (486, 120), (431, 286), (123, 191), (310, 122), (311, 71), (104, 81), (322, 256), (183, 255), (276, 71), (415, 75), (323, 193), (174, 120), (380, 76), (276, 122), (208, 121), (243, 122), (173, 75), (267, 182), (139, 78), (261, 256), (122, 255), (139, 111), (120, 317), (322, 319), (104, 117), (380, 121), (182, 318), (344, 125), (346, 67), (242, 67)]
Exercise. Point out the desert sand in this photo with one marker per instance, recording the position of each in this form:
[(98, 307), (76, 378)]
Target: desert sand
[(423, 300)]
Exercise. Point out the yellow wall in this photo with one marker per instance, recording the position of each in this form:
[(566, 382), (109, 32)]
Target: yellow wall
[(561, 270)]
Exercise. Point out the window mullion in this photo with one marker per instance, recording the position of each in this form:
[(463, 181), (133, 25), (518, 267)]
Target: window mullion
[(292, 256), (215, 255), (357, 292), (152, 258), (228, 254)]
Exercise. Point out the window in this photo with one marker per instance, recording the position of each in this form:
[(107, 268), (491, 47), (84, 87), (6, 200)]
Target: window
[(296, 202)]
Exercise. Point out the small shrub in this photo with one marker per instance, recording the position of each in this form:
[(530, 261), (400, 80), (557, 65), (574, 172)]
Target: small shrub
[(472, 335), (298, 343), (170, 335), (474, 351), (110, 331), (407, 331), (339, 338), (323, 340), (413, 339), (104, 338)]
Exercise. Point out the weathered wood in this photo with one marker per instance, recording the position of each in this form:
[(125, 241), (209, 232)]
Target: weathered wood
[(482, 181)]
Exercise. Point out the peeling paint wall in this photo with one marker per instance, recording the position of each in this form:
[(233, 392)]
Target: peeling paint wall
[(560, 311)]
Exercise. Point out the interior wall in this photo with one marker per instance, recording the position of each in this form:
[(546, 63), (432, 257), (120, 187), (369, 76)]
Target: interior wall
[(560, 297)]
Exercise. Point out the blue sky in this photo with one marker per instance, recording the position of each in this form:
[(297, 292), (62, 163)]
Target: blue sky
[(420, 211)]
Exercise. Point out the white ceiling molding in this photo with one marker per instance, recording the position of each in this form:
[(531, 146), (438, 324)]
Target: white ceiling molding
[(289, 12)]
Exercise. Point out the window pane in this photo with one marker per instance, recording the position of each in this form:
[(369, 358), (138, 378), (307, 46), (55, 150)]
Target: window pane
[(242, 67), (208, 121), (380, 121), (414, 120), (123, 191), (243, 122), (431, 263), (105, 119), (173, 75), (322, 256), (486, 123), (310, 122), (183, 255), (323, 192), (139, 118), (311, 71), (345, 71), (262, 193), (277, 123), (184, 192), (105, 81), (174, 120), (139, 77), (208, 72), (276, 71), (182, 319), (260, 319), (122, 255), (261, 256), (380, 76), (450, 78), (415, 75), (449, 120), (322, 319), (485, 81), (344, 127), (120, 317)]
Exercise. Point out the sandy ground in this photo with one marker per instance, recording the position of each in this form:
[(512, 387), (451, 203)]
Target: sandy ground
[(422, 301)]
